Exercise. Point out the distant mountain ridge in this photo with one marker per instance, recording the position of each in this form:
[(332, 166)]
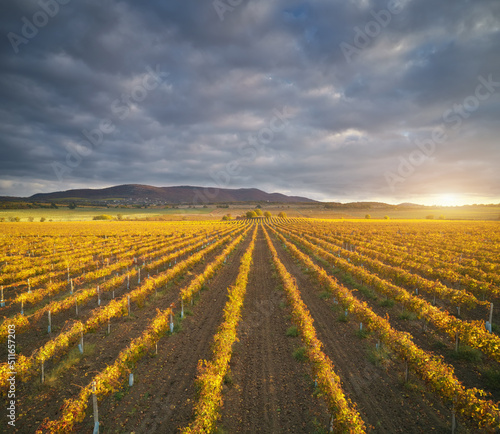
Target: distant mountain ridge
[(174, 195)]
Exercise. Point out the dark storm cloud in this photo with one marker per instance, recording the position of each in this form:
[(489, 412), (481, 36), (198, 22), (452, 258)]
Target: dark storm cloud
[(350, 120)]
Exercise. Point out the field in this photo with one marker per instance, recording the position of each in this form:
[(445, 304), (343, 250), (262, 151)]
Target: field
[(265, 325), (88, 213), (184, 212)]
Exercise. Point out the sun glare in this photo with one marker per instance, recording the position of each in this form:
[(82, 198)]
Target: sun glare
[(448, 200)]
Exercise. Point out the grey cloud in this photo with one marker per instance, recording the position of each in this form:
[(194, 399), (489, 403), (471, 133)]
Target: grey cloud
[(351, 121)]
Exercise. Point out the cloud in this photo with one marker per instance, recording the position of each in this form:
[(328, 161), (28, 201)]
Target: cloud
[(350, 123)]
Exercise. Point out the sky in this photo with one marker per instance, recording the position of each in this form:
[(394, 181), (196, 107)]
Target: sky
[(336, 100)]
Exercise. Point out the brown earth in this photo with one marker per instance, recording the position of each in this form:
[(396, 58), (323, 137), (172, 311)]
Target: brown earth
[(383, 400), (161, 399), (38, 401), (431, 339), (269, 390)]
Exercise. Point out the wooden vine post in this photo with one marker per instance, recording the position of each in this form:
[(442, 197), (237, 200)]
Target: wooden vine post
[(95, 408), (453, 417)]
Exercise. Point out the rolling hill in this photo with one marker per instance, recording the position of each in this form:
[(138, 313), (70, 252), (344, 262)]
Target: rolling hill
[(173, 195)]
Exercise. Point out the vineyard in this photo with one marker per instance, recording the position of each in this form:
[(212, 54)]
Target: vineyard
[(257, 325)]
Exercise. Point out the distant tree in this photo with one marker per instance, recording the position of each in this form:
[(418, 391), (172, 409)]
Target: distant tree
[(119, 216), (42, 219), (430, 217), (258, 206), (442, 217), (53, 205), (282, 214), (2, 219), (72, 205), (258, 212), (102, 217), (251, 214), (30, 219), (368, 216), (227, 217), (386, 217), (267, 214)]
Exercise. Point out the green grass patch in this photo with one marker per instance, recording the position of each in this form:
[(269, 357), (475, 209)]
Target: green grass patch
[(73, 357), (439, 346), (467, 354), (491, 378), (119, 395), (177, 327), (347, 278), (362, 334), (413, 387), (408, 316), (367, 292), (292, 331), (388, 302), (495, 329), (300, 354), (379, 356), (318, 427)]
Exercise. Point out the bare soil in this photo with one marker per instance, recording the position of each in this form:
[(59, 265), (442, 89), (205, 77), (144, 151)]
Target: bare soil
[(269, 391)]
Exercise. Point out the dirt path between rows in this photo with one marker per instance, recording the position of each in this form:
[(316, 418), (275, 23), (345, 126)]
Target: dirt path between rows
[(269, 391), (39, 401), (161, 400), (381, 398), (432, 340)]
